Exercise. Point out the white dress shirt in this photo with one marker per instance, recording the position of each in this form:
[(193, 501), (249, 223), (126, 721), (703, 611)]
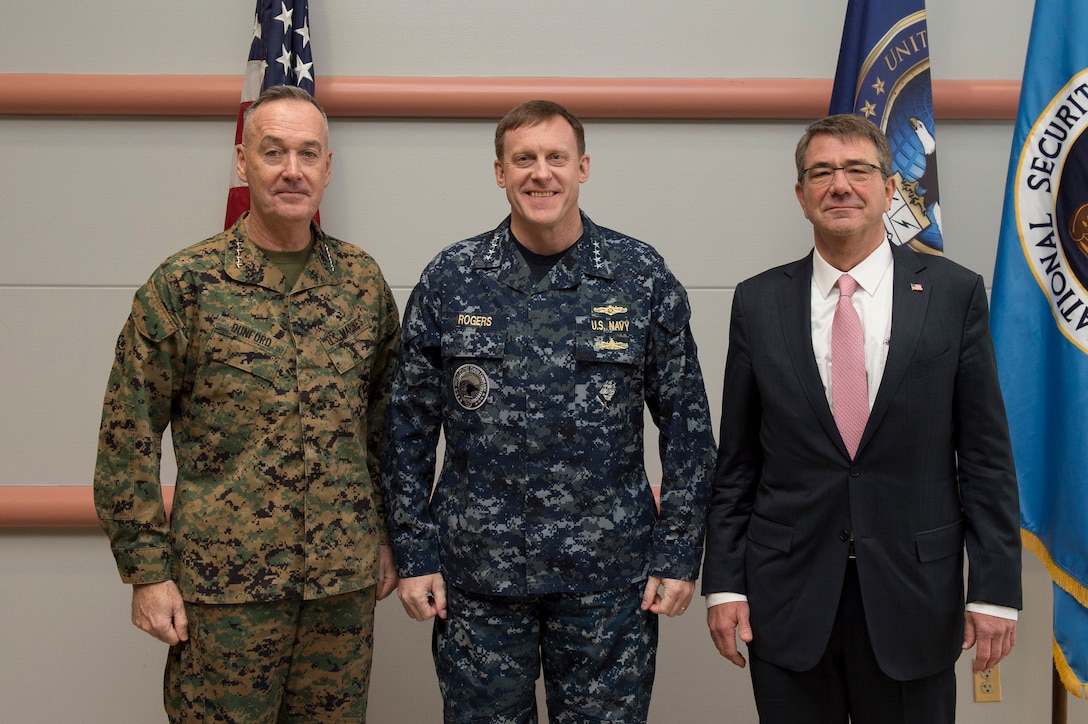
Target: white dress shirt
[(873, 302)]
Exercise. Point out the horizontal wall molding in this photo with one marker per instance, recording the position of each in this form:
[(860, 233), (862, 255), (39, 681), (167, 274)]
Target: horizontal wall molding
[(67, 506), (53, 506), (721, 99)]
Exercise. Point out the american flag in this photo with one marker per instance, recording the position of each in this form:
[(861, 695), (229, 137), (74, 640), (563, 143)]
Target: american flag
[(280, 54)]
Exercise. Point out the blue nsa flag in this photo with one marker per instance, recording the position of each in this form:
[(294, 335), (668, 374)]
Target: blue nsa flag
[(883, 74), (279, 54), (1040, 316)]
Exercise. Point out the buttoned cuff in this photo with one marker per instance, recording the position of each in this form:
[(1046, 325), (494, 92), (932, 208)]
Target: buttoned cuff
[(416, 559), (143, 565), (675, 560)]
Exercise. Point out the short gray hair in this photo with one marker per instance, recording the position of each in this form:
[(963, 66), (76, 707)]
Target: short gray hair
[(282, 93), (845, 126)]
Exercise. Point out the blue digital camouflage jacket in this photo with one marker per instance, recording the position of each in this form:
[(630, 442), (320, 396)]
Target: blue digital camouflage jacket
[(539, 391)]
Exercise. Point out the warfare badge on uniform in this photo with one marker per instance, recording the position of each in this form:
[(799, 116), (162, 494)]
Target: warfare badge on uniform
[(607, 392), (471, 386)]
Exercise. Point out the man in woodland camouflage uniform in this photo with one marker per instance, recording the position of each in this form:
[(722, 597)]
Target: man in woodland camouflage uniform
[(536, 347), (268, 350)]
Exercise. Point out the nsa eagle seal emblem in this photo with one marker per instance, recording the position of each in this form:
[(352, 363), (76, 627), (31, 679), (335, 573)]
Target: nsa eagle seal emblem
[(1051, 198), (471, 386), (884, 76)]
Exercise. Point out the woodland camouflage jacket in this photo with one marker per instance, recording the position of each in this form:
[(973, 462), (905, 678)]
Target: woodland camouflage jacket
[(275, 401)]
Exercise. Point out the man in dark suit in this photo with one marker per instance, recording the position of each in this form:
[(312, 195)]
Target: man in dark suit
[(837, 528)]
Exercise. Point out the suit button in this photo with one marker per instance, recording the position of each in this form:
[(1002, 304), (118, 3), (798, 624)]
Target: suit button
[(855, 471), (844, 535)]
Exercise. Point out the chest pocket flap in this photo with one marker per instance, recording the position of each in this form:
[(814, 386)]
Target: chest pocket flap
[(350, 343), (245, 348), (473, 342)]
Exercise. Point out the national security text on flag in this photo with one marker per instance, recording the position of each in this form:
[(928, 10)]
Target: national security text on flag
[(1040, 316)]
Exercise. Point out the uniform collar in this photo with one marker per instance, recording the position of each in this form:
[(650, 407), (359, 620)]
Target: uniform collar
[(589, 257), (245, 262)]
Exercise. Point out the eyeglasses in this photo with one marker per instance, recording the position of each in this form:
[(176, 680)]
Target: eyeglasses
[(856, 173)]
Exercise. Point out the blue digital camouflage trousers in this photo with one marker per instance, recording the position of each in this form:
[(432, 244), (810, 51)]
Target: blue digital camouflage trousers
[(597, 651), (280, 661)]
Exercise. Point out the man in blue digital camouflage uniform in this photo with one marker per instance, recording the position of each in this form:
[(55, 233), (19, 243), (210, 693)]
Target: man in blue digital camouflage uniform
[(535, 348)]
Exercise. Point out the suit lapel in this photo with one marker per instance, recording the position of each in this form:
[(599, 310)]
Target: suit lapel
[(795, 305), (910, 299)]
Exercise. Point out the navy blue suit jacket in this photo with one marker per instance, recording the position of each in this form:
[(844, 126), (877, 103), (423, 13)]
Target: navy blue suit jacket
[(933, 474)]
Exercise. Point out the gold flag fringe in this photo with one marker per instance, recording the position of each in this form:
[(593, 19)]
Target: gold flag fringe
[(1068, 583)]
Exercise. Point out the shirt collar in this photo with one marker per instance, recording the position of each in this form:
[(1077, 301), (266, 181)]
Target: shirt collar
[(868, 273)]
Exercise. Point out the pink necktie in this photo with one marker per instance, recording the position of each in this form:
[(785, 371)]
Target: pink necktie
[(849, 386)]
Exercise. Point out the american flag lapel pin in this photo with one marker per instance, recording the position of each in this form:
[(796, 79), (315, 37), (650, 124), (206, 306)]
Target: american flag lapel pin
[(915, 287)]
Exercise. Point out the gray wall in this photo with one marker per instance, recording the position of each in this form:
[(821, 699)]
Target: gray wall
[(90, 206)]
